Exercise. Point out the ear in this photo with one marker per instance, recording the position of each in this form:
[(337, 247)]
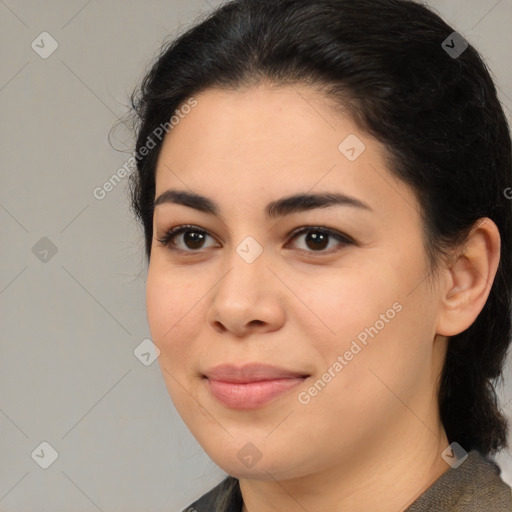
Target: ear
[(469, 277)]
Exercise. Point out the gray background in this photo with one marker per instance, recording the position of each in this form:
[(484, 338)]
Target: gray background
[(70, 321)]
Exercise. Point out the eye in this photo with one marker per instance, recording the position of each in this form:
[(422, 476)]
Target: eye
[(193, 239), (316, 238)]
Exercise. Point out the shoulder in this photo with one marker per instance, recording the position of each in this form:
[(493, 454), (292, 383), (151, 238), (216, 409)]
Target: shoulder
[(474, 486), (225, 497)]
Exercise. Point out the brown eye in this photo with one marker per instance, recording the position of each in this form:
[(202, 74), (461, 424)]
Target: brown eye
[(193, 238), (317, 240)]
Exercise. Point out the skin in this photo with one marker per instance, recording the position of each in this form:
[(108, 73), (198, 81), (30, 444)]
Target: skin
[(371, 439)]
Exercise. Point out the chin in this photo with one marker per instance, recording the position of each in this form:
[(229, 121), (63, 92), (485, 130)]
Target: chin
[(247, 460)]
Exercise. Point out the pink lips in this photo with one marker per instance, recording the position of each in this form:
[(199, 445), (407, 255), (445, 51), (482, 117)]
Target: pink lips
[(250, 386)]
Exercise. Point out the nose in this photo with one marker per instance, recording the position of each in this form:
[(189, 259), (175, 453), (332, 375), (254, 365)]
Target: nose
[(247, 298)]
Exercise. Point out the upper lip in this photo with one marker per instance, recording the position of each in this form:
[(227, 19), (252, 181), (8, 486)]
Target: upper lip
[(250, 372)]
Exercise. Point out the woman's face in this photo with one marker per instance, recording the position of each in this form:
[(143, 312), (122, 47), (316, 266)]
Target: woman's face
[(346, 325)]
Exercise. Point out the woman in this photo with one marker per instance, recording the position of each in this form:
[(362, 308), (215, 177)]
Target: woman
[(323, 190)]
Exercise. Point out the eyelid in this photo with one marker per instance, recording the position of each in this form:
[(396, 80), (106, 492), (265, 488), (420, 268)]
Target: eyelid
[(165, 239)]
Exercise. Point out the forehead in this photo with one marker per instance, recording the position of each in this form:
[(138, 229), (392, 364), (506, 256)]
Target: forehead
[(275, 140)]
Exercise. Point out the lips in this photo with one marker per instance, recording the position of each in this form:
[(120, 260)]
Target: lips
[(250, 386), (250, 373)]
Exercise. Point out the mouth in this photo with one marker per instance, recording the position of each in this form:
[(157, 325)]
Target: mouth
[(250, 386)]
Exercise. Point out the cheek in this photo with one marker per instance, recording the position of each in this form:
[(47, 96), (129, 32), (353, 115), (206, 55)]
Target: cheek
[(347, 301), (172, 321), (370, 313), (170, 311)]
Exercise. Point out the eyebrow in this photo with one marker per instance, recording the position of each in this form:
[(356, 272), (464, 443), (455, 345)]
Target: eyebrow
[(279, 208)]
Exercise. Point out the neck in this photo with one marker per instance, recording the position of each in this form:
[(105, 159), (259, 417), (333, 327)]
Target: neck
[(387, 475)]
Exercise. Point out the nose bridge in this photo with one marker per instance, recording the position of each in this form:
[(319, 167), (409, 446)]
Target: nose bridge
[(244, 296), (247, 266)]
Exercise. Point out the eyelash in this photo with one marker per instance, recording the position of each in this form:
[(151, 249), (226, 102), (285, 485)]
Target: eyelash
[(166, 239)]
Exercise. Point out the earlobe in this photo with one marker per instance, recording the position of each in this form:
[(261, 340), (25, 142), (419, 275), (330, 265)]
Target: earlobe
[(469, 278)]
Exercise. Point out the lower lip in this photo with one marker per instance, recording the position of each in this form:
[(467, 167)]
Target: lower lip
[(250, 395)]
